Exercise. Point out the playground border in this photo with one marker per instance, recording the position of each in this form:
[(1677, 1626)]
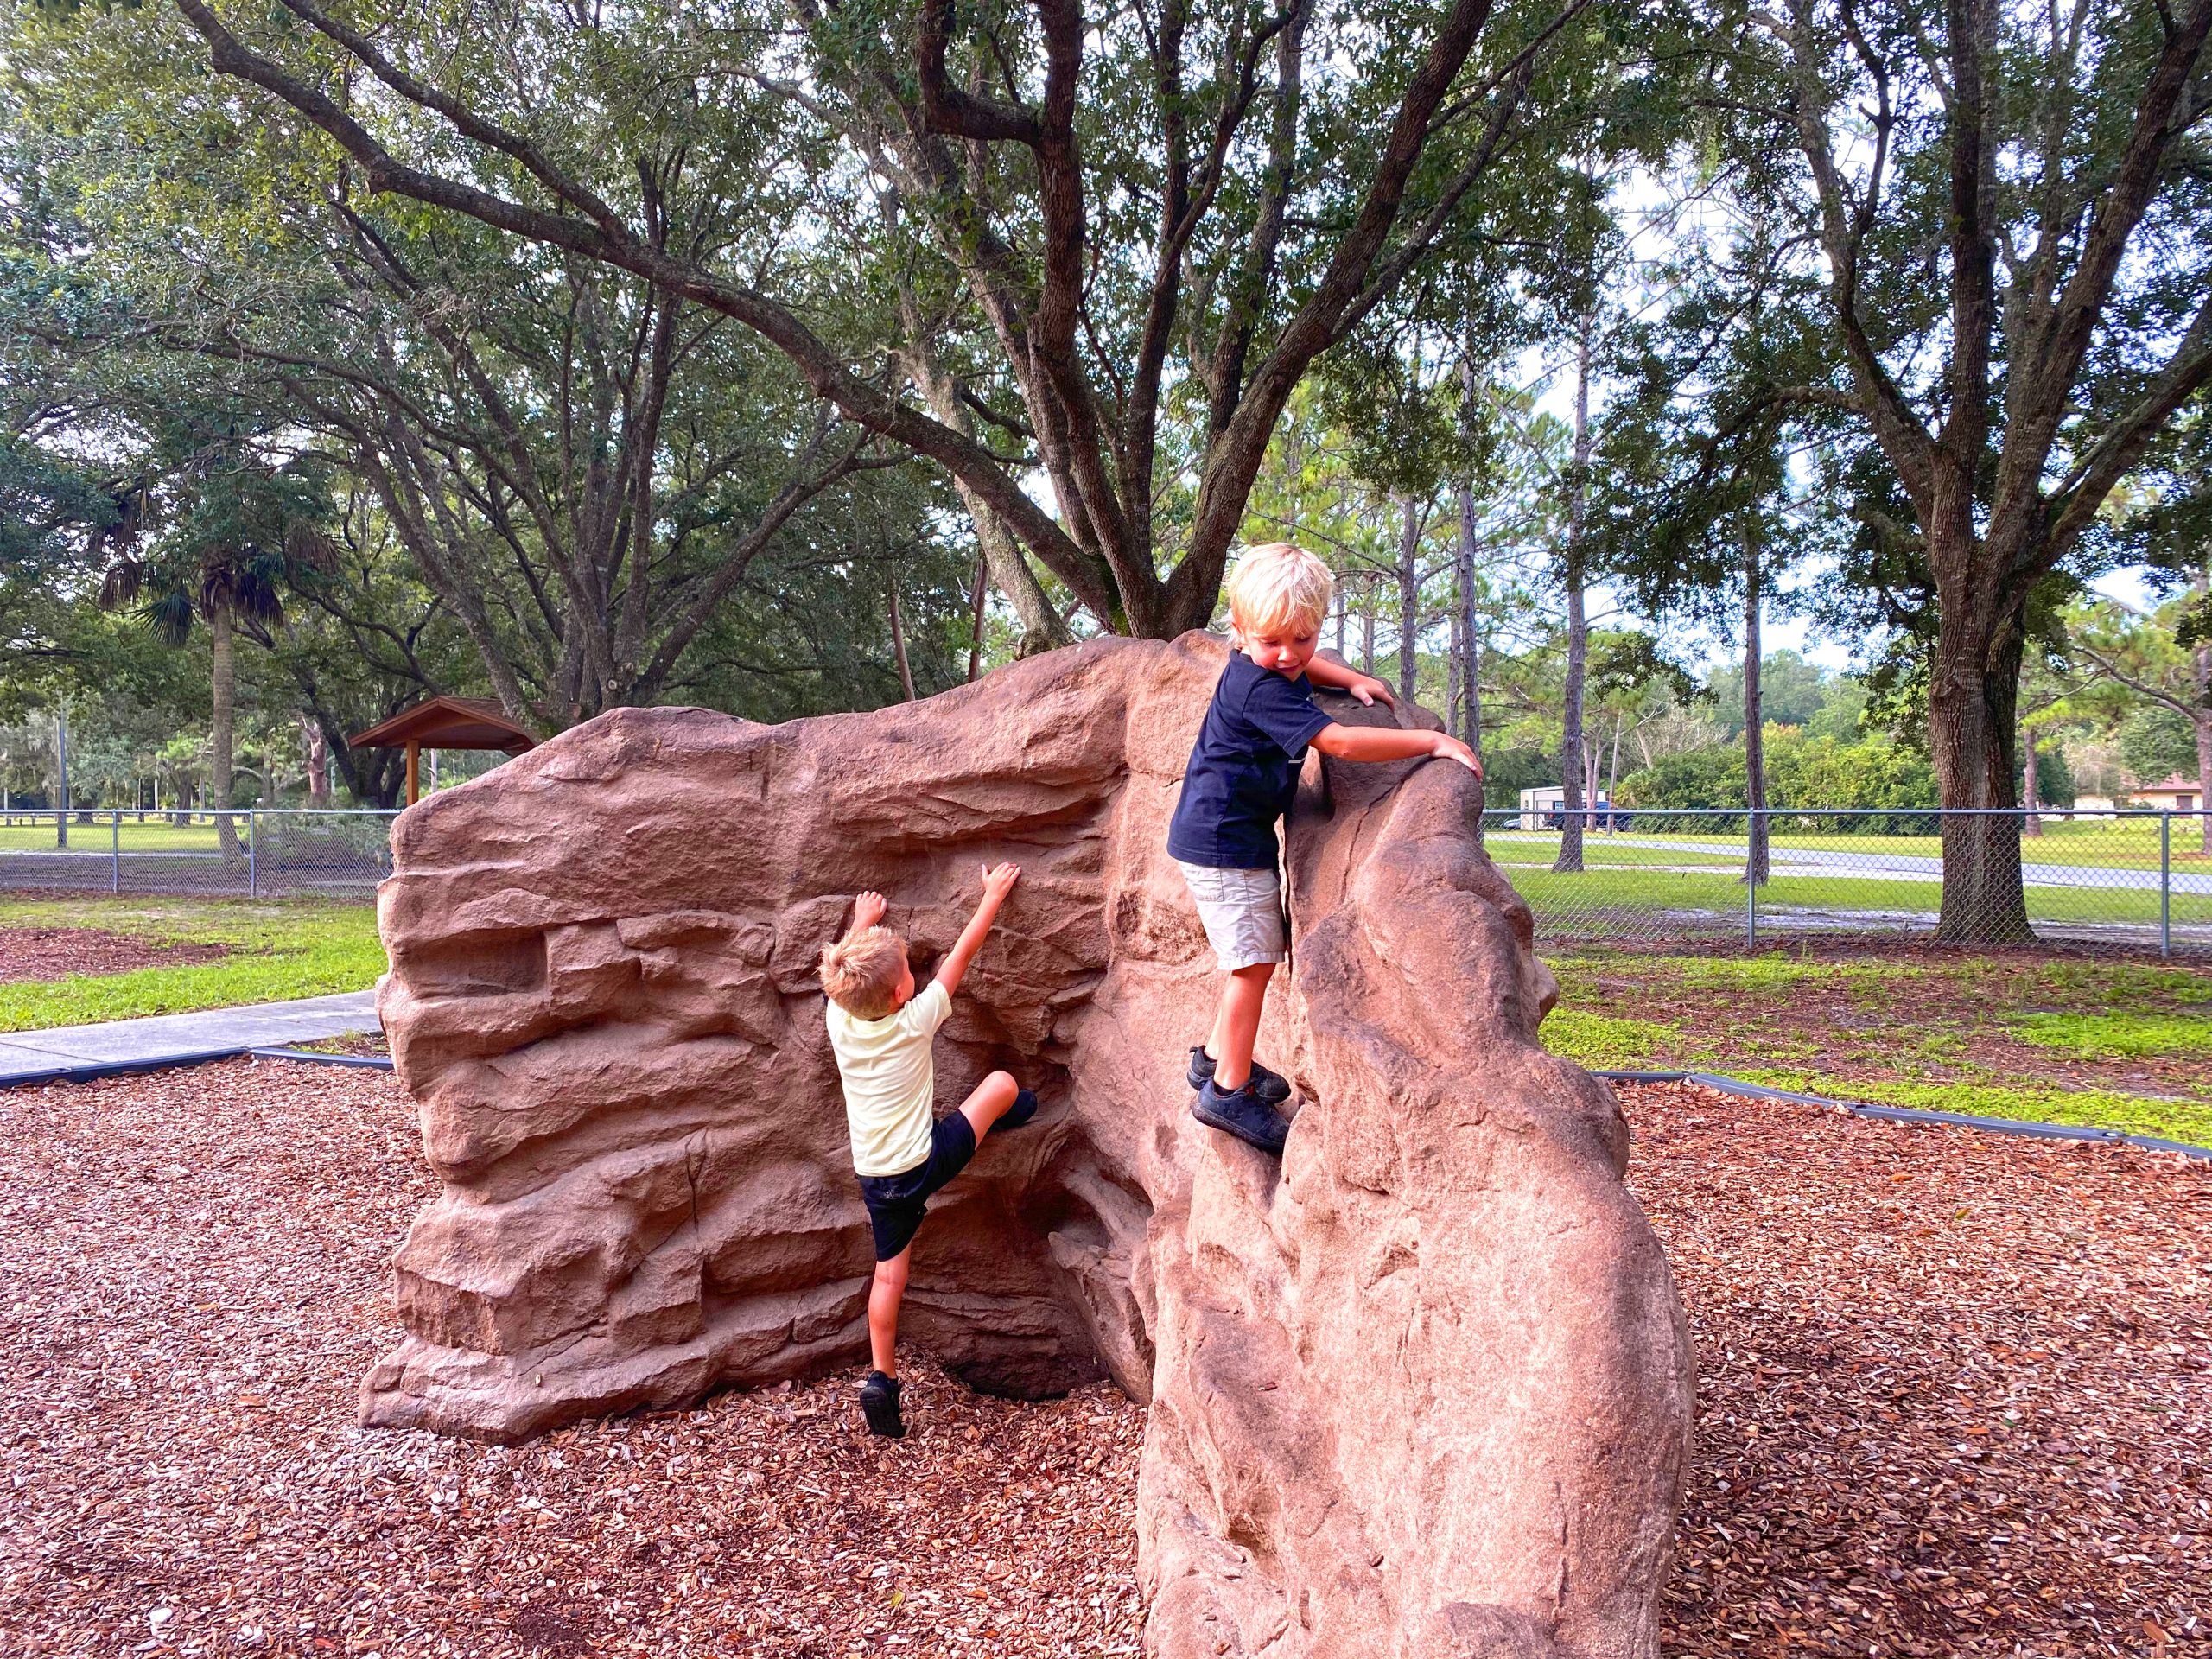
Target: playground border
[(93, 1070), (1913, 1115)]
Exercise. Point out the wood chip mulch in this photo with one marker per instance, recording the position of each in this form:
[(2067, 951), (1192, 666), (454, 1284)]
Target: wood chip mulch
[(1956, 1398), (29, 953), (1956, 1390), (192, 1282)]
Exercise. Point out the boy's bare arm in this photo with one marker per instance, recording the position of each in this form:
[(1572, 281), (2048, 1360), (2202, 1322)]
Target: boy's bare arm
[(998, 882), (1340, 676), (1387, 743)]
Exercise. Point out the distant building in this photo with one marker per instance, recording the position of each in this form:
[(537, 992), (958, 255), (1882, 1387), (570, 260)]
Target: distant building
[(1546, 809), (2177, 793)]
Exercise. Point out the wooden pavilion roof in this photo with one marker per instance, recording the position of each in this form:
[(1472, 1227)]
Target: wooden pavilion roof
[(447, 724)]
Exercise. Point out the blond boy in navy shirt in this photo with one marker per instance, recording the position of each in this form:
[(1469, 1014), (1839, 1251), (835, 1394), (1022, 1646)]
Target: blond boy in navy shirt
[(1243, 772)]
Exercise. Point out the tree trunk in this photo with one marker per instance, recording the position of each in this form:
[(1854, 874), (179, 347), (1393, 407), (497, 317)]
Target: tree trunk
[(317, 764), (1613, 778), (1340, 621), (975, 627), (1367, 640), (1409, 604), (2204, 723), (2030, 800), (1756, 862), (1471, 624), (898, 643), (1973, 705), (1570, 746), (222, 728)]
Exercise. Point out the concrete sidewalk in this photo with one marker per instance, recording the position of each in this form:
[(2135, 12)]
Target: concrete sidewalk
[(58, 1052)]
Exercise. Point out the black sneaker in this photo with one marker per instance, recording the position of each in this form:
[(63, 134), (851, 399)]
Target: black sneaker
[(1241, 1112), (880, 1405), (1024, 1109), (1272, 1086)]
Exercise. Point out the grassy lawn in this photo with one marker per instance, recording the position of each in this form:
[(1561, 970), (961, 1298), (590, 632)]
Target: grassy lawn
[(2117, 1044), (1669, 897), (279, 948), (2102, 843)]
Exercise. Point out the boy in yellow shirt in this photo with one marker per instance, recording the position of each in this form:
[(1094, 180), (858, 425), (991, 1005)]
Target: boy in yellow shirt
[(881, 1030)]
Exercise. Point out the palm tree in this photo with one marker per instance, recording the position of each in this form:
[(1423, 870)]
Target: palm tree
[(238, 533)]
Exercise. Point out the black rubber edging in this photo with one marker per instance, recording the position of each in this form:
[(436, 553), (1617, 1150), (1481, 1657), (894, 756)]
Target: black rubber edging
[(1914, 1114), (94, 1070)]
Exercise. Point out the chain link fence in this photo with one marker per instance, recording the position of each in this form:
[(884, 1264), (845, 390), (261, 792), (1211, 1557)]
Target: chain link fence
[(2133, 880), (244, 854)]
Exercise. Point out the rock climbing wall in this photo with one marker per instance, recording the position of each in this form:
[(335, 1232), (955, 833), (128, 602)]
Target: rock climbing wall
[(1422, 1389)]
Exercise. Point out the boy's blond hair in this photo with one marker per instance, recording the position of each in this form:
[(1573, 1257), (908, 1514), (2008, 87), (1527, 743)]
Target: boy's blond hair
[(1275, 585), (860, 972)]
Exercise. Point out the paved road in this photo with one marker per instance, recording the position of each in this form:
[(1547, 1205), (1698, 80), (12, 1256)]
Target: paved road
[(62, 1048), (1908, 866)]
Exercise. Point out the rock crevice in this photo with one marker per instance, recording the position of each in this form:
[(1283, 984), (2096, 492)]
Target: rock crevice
[(1423, 1390)]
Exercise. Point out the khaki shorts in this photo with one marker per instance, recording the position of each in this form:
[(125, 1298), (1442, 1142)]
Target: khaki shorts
[(1242, 911)]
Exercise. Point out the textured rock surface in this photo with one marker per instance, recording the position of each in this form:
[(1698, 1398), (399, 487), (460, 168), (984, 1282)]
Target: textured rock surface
[(1426, 1391)]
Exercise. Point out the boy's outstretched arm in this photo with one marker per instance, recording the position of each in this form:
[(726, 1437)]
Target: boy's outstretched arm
[(1388, 743), (998, 882), (1341, 677)]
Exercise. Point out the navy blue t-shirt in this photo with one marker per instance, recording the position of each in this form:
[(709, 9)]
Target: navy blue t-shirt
[(1244, 768)]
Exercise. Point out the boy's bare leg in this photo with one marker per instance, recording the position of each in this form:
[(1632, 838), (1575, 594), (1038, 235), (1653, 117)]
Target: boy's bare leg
[(991, 1100), (883, 1297), (1236, 1025)]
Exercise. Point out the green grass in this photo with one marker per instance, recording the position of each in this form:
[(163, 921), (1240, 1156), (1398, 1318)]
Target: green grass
[(2092, 1040), (1647, 892), (2103, 843), (153, 835), (2188, 1122), (280, 949), (2115, 1036)]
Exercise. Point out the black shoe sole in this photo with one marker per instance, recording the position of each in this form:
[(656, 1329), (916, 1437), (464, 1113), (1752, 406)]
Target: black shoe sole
[(1273, 1148)]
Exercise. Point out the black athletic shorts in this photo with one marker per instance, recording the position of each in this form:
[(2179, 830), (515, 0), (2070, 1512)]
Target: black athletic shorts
[(895, 1203)]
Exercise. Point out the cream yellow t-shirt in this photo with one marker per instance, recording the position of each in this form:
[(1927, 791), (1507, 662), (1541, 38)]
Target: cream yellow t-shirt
[(890, 1079)]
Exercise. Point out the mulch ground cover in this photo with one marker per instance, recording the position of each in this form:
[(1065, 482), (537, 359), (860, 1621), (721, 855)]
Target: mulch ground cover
[(1956, 1398), (1956, 1390), (28, 953)]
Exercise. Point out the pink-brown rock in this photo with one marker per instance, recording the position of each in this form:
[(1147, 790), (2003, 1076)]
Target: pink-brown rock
[(1423, 1390)]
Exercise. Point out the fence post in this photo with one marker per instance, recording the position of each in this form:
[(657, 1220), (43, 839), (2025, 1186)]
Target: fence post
[(252, 854), (2166, 883), (1751, 881), (115, 853)]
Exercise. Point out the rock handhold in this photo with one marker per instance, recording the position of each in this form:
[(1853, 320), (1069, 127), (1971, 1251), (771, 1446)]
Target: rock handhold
[(1421, 1390)]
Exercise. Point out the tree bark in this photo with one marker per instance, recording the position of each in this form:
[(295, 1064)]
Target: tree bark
[(222, 725), (318, 763), (1367, 639), (1756, 862), (2204, 724), (1572, 744), (899, 642), (1972, 707), (2030, 823), (1471, 618), (1409, 602)]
